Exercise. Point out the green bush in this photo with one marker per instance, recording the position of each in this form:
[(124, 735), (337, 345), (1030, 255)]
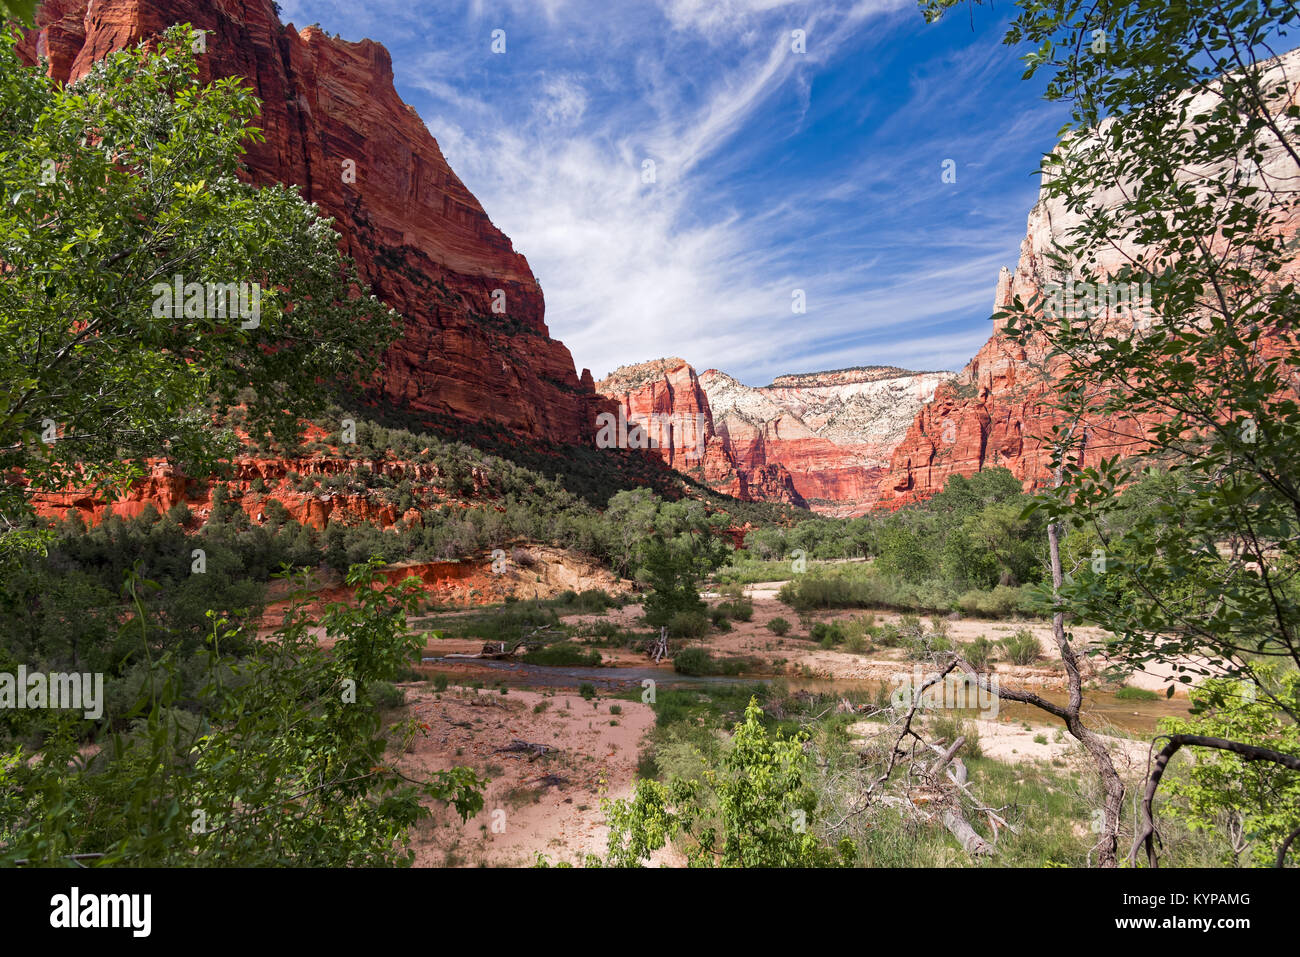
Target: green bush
[(698, 662), (693, 661), (857, 644), (1000, 602), (741, 609), (563, 654), (920, 648), (778, 626), (949, 728), (688, 624), (827, 633), (887, 635), (738, 816), (1129, 693), (593, 601), (1022, 648), (979, 652)]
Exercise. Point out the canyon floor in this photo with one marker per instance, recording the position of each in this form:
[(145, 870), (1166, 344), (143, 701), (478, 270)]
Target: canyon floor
[(549, 804)]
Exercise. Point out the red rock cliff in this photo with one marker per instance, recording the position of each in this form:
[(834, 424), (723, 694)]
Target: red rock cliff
[(664, 397), (1000, 410), (819, 440), (420, 238)]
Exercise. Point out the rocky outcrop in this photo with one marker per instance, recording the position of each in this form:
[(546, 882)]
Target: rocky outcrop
[(335, 126), (1000, 409), (666, 402), (821, 439), (833, 431)]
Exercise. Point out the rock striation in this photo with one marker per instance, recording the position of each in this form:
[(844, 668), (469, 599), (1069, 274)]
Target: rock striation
[(820, 440)]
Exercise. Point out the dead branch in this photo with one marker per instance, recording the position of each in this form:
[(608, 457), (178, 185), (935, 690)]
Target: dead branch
[(533, 748)]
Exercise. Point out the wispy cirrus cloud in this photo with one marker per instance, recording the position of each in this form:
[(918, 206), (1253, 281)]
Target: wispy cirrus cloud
[(772, 169)]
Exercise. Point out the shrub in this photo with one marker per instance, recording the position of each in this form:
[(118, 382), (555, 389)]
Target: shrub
[(827, 633), (759, 781), (979, 652), (949, 728), (697, 661), (1000, 602), (688, 624), (1129, 693), (887, 635), (386, 695), (909, 626), (693, 661), (924, 646), (1022, 647), (742, 609), (778, 626), (593, 601)]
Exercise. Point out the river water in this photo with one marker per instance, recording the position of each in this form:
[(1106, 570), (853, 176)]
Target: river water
[(1101, 709)]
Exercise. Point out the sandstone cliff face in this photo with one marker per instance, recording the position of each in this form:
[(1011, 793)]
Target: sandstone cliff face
[(822, 438), (999, 410), (665, 399), (336, 127), (833, 431)]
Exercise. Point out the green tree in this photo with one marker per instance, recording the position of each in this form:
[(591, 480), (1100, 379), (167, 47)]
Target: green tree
[(1174, 175), (1221, 790), (630, 517), (756, 809), (685, 546), (24, 11), (285, 762), (111, 188)]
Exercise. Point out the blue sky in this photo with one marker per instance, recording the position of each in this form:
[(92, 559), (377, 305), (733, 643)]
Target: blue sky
[(774, 170)]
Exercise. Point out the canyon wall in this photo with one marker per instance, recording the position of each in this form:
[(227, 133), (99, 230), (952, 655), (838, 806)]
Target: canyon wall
[(1000, 409), (821, 440), (335, 127), (666, 400)]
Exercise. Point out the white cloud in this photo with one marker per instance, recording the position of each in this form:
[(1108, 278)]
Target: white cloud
[(693, 264)]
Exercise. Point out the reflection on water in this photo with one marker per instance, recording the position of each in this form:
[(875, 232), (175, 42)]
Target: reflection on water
[(1100, 709)]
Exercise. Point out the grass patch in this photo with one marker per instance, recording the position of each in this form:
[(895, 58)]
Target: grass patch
[(564, 654), (1129, 693)]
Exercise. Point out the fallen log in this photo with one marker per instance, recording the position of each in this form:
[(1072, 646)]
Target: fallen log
[(953, 818), (519, 746)]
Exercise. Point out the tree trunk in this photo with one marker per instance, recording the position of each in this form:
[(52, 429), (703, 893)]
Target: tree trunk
[(1108, 844)]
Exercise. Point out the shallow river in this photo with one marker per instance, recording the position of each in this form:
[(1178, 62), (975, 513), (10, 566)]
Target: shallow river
[(1138, 717)]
